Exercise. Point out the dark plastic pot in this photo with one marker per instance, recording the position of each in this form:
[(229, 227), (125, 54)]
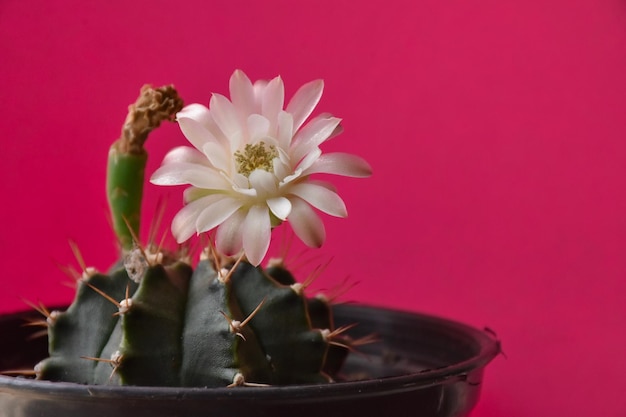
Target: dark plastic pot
[(422, 366)]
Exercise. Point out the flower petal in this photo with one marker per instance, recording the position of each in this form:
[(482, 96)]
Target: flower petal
[(228, 238), (225, 116), (284, 157), (306, 224), (201, 115), (185, 154), (304, 101), (285, 129), (262, 181), (258, 128), (215, 213), (281, 170), (180, 173), (291, 177), (310, 159), (259, 91), (312, 135), (242, 94), (321, 198), (325, 184), (198, 112), (280, 206), (338, 130), (196, 132), (240, 180), (219, 157), (256, 233), (241, 185), (339, 163), (193, 193), (184, 222), (273, 100)]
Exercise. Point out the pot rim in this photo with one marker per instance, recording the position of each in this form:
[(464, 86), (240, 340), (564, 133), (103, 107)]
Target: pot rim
[(489, 348)]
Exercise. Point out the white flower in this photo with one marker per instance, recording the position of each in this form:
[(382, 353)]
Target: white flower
[(250, 167)]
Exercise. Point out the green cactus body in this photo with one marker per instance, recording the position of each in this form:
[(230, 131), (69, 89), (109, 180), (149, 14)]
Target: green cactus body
[(294, 350), (210, 300), (90, 314), (150, 348), (320, 316), (180, 329)]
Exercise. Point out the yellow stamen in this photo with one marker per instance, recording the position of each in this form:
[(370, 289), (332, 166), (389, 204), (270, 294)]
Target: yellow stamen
[(258, 156)]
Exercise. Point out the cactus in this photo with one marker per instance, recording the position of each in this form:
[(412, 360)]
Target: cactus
[(209, 326), (154, 319)]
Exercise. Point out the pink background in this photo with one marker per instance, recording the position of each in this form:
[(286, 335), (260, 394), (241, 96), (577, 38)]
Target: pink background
[(496, 130)]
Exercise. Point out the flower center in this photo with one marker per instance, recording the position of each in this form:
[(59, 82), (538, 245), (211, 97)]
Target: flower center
[(258, 156)]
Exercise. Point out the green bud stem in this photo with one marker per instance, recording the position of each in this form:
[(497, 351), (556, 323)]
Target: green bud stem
[(127, 158), (125, 179)]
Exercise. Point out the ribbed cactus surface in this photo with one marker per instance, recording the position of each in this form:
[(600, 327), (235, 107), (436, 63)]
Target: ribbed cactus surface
[(211, 326)]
